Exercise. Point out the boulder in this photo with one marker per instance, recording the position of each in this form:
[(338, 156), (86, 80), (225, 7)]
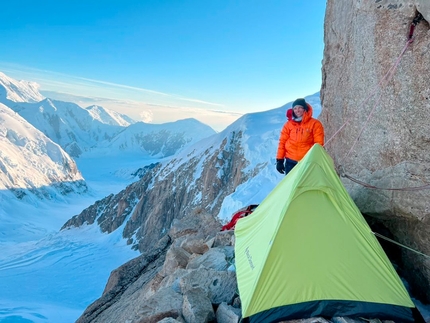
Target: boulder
[(197, 308), (227, 314)]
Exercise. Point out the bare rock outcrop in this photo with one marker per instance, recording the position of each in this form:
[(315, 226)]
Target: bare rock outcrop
[(168, 282), (376, 108)]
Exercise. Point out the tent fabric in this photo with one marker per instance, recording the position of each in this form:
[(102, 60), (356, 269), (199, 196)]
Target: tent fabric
[(307, 251)]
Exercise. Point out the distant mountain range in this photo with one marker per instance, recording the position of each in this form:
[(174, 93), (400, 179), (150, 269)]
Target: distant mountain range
[(56, 128)]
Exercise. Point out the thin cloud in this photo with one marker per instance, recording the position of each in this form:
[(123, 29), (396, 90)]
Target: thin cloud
[(149, 91), (200, 101), (93, 99), (154, 107), (61, 81), (122, 86)]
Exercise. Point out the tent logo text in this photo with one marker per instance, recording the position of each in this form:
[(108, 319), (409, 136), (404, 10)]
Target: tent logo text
[(248, 255)]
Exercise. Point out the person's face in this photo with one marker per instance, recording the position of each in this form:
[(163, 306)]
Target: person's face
[(298, 111)]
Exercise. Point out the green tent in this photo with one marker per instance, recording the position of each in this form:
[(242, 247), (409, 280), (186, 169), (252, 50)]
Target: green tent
[(307, 251)]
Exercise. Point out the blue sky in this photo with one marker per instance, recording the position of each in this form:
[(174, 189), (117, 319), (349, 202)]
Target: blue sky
[(159, 61)]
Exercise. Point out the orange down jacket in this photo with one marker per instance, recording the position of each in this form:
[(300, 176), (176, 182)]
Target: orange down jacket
[(298, 137)]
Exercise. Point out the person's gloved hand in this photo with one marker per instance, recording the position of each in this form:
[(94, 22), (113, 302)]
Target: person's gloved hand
[(280, 166)]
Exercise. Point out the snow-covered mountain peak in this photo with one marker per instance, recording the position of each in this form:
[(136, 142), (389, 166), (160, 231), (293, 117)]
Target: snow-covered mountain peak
[(109, 117), (18, 91), (159, 140), (97, 130), (31, 161)]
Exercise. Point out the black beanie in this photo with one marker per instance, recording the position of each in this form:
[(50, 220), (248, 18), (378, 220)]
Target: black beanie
[(301, 102)]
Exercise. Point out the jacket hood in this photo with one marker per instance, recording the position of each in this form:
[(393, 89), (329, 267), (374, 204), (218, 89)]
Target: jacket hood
[(307, 115)]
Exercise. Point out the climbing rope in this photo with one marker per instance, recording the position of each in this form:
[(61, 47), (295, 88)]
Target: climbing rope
[(382, 83), (388, 76), (415, 188), (401, 245), (385, 80)]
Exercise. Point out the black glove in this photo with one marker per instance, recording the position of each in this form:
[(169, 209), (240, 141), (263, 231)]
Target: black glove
[(280, 166)]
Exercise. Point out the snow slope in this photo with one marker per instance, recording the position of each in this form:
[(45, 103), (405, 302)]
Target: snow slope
[(52, 276), (31, 161)]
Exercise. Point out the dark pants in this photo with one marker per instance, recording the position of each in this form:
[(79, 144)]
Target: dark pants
[(289, 164)]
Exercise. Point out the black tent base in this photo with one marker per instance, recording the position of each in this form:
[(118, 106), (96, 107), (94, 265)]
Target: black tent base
[(337, 308)]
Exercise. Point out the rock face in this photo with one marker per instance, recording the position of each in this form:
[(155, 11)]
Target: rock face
[(376, 108)]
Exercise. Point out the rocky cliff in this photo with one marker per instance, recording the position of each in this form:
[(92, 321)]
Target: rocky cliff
[(376, 106), (183, 277), (196, 180)]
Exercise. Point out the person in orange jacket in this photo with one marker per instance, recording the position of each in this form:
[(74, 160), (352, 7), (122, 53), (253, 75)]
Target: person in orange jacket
[(298, 135)]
